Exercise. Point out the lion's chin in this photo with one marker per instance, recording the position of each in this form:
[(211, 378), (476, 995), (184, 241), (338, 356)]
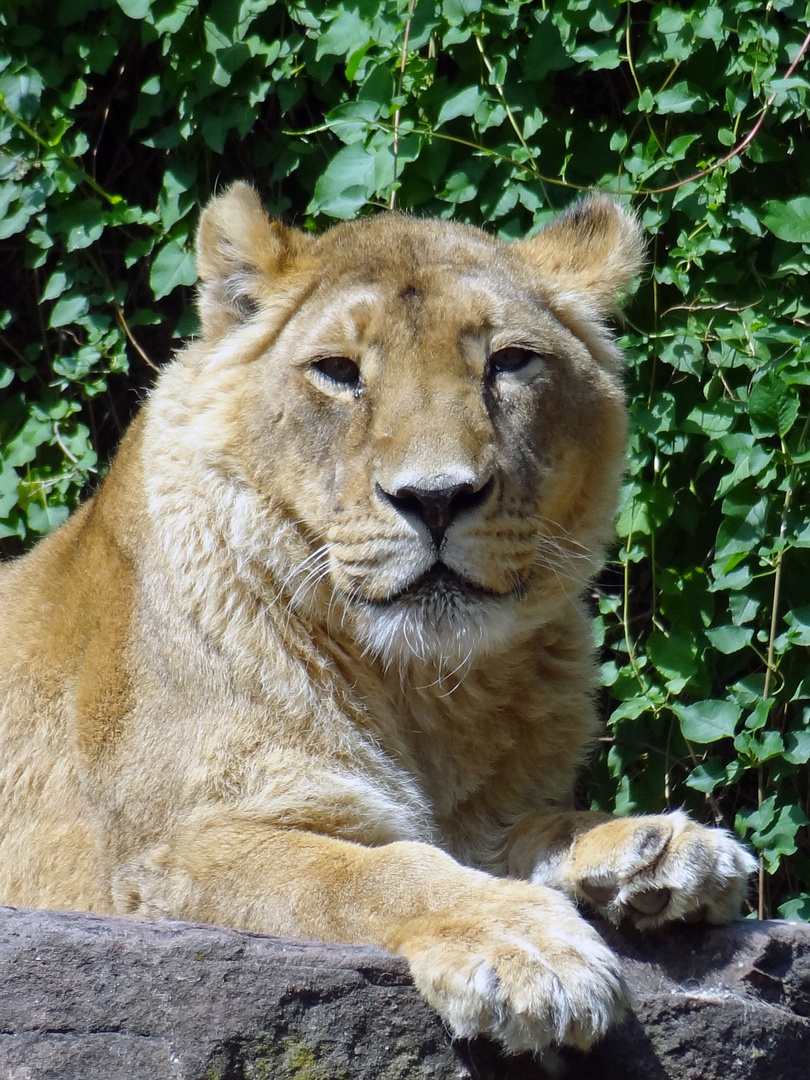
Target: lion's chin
[(440, 620)]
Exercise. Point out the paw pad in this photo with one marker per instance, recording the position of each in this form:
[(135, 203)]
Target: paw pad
[(600, 890), (651, 901)]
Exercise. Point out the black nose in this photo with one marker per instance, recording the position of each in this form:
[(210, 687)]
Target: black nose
[(437, 507)]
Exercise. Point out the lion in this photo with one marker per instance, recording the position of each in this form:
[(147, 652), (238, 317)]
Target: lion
[(314, 661)]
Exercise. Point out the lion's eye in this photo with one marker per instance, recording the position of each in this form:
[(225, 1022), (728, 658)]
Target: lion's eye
[(339, 369), (512, 358)]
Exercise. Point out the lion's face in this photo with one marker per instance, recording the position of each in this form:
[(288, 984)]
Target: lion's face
[(443, 423)]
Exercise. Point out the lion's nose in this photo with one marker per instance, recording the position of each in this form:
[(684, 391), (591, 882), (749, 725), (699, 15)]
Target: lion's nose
[(437, 508)]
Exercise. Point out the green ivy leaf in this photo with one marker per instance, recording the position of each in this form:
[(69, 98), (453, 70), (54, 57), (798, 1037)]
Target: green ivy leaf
[(81, 223), (707, 776), (343, 34), (55, 285), (798, 620), (681, 98), (730, 639), (674, 657), (346, 184), (759, 819), (773, 405), (464, 103), (68, 309), (797, 747), (22, 91), (797, 909), (779, 839), (789, 220), (9, 480), (707, 22), (135, 9), (173, 266), (42, 519), (759, 747), (708, 721)]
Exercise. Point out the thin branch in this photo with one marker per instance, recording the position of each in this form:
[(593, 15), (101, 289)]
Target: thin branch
[(510, 115), (722, 306), (132, 341), (478, 147), (403, 61), (57, 435), (634, 76)]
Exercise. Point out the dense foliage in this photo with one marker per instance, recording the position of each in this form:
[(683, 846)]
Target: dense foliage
[(118, 118)]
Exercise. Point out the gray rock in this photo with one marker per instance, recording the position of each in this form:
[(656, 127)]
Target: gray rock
[(100, 998), (712, 1003)]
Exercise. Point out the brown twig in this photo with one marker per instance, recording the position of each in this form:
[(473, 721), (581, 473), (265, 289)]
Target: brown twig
[(403, 62), (738, 149), (133, 342)]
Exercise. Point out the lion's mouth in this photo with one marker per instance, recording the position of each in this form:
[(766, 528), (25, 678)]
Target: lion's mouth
[(440, 617), (440, 583)]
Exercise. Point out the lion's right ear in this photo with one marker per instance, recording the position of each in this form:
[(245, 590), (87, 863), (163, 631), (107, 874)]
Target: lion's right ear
[(240, 252)]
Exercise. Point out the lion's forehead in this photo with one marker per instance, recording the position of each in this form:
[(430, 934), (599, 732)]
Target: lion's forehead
[(400, 241), (422, 307)]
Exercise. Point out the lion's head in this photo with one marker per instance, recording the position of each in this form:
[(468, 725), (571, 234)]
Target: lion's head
[(437, 416)]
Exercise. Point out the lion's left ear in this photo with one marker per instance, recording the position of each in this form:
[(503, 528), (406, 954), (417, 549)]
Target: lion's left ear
[(592, 251), (239, 253)]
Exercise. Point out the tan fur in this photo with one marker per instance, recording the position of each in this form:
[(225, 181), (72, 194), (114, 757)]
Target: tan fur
[(244, 685)]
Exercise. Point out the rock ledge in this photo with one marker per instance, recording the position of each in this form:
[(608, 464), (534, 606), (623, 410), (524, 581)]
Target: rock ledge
[(100, 998)]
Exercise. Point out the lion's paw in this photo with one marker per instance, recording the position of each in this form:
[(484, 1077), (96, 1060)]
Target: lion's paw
[(659, 868), (526, 972)]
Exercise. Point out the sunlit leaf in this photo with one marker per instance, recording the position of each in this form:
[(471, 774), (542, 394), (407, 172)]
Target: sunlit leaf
[(789, 220), (708, 721)]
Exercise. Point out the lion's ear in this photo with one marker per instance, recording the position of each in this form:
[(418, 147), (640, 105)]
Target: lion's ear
[(239, 253), (592, 251)]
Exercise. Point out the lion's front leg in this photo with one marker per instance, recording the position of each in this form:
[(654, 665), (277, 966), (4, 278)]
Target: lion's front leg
[(648, 870), (498, 957)]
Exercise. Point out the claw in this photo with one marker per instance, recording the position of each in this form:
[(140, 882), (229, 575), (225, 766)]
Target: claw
[(696, 916)]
